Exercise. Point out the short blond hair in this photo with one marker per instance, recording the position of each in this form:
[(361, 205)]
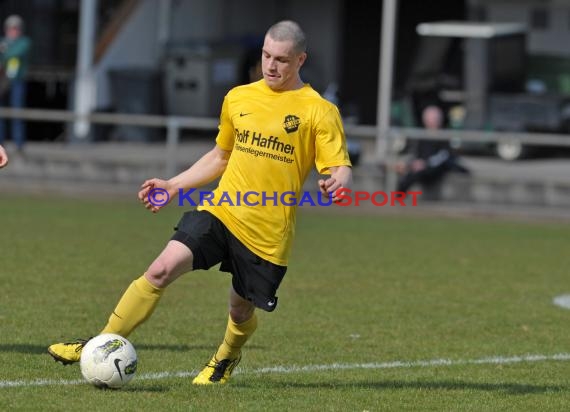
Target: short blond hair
[(288, 30)]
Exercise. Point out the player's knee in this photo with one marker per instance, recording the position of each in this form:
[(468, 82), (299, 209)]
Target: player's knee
[(158, 273), (242, 312)]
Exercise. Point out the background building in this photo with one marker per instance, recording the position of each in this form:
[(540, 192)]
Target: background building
[(180, 56)]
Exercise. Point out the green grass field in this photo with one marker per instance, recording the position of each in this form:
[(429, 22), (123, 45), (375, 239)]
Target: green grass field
[(376, 313)]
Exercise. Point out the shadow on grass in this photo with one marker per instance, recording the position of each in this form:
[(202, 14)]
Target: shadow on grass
[(145, 389), (22, 348), (35, 349), (184, 348), (135, 388), (509, 388)]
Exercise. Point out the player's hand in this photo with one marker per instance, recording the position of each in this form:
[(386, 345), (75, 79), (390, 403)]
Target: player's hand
[(329, 188), (154, 194), (3, 157), (339, 181)]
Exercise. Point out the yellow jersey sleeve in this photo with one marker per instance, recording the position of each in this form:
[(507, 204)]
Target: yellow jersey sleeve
[(225, 138), (330, 142)]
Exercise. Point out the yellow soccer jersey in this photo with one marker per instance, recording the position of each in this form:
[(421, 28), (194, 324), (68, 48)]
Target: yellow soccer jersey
[(275, 139)]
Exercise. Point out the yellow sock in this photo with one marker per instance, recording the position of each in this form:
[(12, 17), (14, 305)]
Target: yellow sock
[(135, 306), (235, 337)]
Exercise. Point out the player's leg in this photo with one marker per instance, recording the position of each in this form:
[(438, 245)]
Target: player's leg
[(141, 297), (254, 284), (242, 322), (139, 300)]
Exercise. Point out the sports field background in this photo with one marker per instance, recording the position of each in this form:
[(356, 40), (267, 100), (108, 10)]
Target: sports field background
[(376, 312)]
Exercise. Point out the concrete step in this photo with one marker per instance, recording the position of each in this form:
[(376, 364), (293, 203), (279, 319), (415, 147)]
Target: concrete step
[(119, 169), (491, 181), (102, 163), (496, 190)]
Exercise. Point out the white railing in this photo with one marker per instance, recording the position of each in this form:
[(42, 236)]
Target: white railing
[(478, 136), (174, 124)]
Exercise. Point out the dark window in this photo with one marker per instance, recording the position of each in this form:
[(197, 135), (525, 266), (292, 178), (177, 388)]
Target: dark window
[(539, 19)]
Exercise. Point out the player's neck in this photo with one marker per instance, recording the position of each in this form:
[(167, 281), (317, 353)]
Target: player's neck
[(296, 85), (299, 84)]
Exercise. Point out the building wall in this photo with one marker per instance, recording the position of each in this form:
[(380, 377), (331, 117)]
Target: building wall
[(246, 21), (237, 22), (136, 46), (552, 39)]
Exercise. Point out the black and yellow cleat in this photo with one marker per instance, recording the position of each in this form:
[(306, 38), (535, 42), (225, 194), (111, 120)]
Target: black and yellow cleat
[(67, 353), (216, 372)]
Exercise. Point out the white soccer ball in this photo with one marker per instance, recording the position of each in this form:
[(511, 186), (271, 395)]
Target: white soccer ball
[(108, 361)]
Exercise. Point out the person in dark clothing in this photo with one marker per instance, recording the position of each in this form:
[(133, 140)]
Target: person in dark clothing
[(431, 160)]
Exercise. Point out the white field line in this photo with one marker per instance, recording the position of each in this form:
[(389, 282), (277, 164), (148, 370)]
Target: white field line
[(494, 360), (563, 301)]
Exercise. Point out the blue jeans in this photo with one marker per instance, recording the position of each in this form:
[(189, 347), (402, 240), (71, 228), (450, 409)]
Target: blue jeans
[(16, 96)]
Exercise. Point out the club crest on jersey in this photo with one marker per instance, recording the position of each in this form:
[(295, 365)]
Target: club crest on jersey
[(291, 123)]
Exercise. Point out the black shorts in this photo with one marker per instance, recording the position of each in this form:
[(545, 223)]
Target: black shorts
[(253, 278)]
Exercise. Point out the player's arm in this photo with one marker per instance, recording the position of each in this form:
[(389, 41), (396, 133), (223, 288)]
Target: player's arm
[(332, 155), (208, 168), (340, 178)]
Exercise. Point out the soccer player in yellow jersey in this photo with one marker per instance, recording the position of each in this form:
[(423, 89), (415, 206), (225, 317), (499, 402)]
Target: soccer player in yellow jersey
[(271, 133)]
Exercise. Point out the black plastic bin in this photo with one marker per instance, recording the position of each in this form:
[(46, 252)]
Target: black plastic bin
[(136, 90)]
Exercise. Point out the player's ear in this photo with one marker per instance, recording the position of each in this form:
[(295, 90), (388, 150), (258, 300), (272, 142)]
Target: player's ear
[(302, 57)]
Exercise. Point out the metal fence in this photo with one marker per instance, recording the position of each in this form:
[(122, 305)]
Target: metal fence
[(174, 124)]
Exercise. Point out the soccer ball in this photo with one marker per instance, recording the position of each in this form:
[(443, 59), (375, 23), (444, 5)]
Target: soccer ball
[(108, 361)]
